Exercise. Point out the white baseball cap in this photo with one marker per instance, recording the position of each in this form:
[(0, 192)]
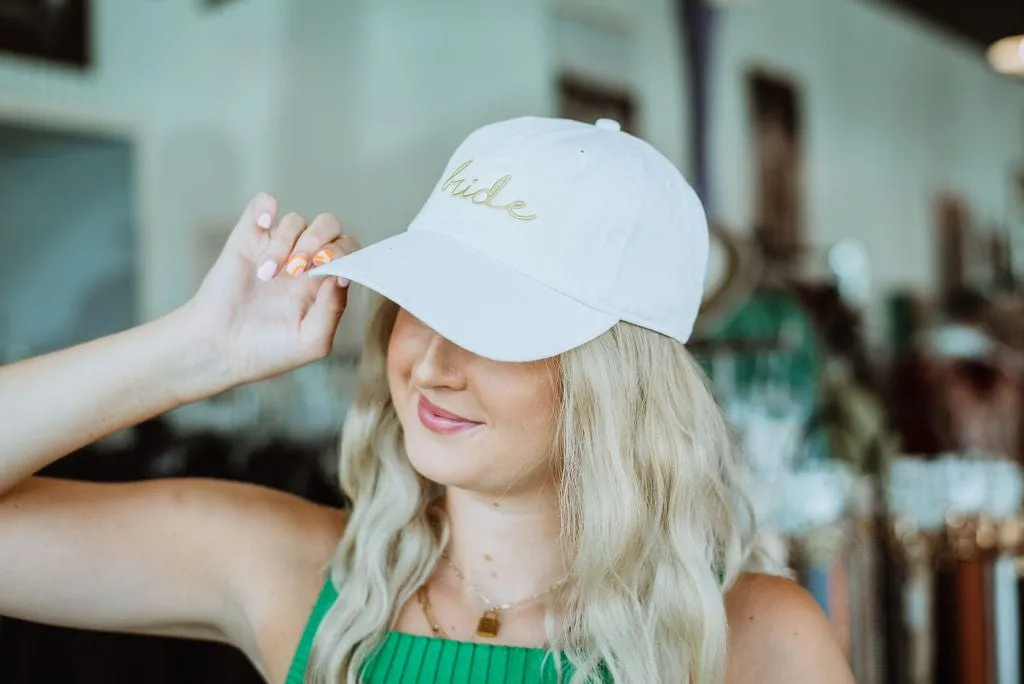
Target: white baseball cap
[(541, 235)]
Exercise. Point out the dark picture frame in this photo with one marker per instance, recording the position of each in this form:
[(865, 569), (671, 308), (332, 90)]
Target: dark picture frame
[(55, 31), (776, 118), (585, 100)]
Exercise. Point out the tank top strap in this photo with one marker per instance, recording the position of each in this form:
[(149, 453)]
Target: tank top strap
[(328, 595)]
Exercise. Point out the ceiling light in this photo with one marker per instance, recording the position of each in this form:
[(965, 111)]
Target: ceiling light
[(1007, 55)]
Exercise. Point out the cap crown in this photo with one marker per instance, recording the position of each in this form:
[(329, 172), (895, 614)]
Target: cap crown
[(586, 210)]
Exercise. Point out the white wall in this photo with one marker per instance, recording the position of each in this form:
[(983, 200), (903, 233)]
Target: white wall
[(895, 112), (353, 107), (350, 107), (192, 88), (642, 52), (378, 93)]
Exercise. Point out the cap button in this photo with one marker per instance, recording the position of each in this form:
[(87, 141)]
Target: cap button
[(608, 125)]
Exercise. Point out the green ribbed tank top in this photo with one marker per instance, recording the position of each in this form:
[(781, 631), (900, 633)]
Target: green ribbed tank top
[(414, 659)]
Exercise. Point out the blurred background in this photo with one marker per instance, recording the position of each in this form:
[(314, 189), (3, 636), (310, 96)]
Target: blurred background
[(862, 163)]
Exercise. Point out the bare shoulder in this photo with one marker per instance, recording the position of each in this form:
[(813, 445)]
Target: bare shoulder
[(777, 633), (276, 549), (266, 550), (264, 536)]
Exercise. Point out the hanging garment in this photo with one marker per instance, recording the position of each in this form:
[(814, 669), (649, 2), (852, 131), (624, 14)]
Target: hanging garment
[(972, 616), (865, 595), (839, 602), (947, 625), (816, 581), (919, 618), (983, 402), (894, 664), (1005, 602), (866, 635), (1020, 612)]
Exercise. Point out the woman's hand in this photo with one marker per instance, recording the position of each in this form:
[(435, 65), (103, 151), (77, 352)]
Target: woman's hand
[(255, 315), (257, 311)]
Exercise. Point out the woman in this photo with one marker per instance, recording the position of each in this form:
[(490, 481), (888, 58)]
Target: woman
[(541, 482)]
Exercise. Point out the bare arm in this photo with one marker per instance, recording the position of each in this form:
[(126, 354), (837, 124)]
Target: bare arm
[(235, 330), (188, 557), (55, 404), (182, 557)]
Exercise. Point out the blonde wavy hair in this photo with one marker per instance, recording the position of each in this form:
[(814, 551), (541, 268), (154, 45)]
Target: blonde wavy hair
[(654, 516)]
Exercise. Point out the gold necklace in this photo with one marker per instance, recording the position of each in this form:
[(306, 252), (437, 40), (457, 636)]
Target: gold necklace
[(428, 612), (490, 621)]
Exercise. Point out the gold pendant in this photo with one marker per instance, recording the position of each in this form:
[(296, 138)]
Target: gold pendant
[(489, 624)]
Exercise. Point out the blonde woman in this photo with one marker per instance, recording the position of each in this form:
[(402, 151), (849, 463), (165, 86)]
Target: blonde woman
[(543, 487)]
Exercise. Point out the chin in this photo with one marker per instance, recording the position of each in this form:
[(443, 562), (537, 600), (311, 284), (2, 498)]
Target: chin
[(447, 465)]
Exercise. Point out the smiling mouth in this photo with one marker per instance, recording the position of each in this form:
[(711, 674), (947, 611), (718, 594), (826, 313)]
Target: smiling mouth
[(438, 420)]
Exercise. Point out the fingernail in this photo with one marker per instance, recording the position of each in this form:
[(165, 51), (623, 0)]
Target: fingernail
[(267, 270), (263, 220), (343, 282), (296, 266), (322, 257)]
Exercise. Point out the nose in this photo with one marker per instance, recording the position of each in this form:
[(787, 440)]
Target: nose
[(439, 366)]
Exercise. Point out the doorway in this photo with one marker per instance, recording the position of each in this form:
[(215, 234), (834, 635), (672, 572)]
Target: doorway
[(67, 239)]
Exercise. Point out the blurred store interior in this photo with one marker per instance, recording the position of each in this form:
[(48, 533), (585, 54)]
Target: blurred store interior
[(862, 163)]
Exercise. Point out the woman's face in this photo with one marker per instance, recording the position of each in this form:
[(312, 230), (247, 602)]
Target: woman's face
[(469, 422)]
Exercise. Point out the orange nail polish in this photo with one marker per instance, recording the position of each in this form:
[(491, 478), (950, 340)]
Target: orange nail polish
[(296, 266), (322, 257)]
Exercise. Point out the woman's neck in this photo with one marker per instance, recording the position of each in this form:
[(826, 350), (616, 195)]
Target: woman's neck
[(508, 548)]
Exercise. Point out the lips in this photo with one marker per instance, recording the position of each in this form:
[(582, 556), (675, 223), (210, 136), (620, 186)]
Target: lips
[(437, 419)]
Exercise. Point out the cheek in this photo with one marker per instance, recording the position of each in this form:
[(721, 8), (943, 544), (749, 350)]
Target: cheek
[(396, 386), (399, 363), (524, 410), (404, 347), (396, 363)]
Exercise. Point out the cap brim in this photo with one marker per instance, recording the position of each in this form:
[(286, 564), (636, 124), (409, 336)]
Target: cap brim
[(470, 298)]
